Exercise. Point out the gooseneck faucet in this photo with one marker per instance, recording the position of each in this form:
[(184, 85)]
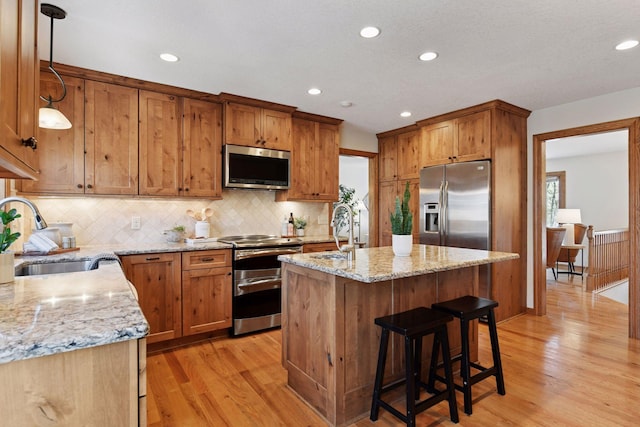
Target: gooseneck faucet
[(349, 248), (40, 222)]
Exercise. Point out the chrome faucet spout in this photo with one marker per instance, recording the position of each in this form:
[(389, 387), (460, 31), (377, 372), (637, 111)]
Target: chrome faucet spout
[(350, 247), (39, 220)]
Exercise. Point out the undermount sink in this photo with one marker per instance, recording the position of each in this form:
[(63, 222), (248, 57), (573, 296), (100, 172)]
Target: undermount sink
[(330, 256), (52, 268)]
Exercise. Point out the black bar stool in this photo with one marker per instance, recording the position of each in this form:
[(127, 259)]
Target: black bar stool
[(413, 325), (468, 308)]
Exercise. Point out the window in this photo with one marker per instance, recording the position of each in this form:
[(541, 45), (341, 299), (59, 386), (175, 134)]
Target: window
[(555, 195)]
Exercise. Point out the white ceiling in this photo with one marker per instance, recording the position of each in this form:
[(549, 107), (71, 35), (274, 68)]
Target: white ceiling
[(534, 54)]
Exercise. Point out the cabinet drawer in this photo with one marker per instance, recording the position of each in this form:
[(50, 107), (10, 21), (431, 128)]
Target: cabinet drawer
[(206, 259)]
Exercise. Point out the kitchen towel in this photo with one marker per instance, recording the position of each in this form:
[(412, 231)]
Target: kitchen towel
[(40, 243)]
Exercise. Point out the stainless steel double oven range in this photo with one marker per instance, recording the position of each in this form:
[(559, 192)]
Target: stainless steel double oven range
[(257, 280)]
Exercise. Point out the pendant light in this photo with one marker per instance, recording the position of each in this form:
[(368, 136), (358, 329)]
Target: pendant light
[(49, 117)]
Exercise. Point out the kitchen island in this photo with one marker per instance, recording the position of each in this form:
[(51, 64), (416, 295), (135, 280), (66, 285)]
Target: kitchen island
[(329, 339)]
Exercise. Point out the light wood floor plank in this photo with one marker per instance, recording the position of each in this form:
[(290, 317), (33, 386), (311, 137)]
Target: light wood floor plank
[(573, 367)]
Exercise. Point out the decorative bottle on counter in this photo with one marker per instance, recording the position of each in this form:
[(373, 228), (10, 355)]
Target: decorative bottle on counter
[(290, 225)]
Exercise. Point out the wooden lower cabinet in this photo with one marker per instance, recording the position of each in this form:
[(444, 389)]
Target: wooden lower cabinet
[(206, 291), (182, 294), (156, 277), (104, 385), (319, 247)]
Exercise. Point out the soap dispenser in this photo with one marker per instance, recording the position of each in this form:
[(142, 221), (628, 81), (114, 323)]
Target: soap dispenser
[(283, 230)]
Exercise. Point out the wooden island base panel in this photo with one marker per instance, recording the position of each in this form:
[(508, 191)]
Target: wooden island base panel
[(329, 339)]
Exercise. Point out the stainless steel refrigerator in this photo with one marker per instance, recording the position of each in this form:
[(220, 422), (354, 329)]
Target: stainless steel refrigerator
[(455, 208)]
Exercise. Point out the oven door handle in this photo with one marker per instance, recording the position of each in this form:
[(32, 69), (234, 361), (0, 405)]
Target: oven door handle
[(254, 253), (251, 286)]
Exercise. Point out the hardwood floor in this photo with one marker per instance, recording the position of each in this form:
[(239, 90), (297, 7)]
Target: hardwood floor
[(573, 367)]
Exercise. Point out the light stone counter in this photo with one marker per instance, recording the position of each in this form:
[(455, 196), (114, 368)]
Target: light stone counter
[(379, 264), (48, 314)]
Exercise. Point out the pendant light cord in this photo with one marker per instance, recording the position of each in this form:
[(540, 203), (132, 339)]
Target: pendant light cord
[(55, 73)]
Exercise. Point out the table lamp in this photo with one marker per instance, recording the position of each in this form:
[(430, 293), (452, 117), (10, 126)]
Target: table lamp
[(567, 218)]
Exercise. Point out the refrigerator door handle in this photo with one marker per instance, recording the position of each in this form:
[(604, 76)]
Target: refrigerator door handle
[(444, 224), (441, 214)]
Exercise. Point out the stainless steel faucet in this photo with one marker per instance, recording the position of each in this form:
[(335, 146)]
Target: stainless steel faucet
[(349, 248), (40, 222)]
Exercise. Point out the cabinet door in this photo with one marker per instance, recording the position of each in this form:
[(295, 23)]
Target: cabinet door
[(156, 278), (111, 139), (202, 145), (206, 299), (327, 162), (437, 144), (473, 136), (276, 130), (408, 155), (302, 159), (387, 192), (160, 144), (62, 151), (388, 155), (242, 124), (18, 86)]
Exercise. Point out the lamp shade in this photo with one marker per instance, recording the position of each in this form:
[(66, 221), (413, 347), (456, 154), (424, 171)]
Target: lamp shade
[(568, 216), (50, 118)]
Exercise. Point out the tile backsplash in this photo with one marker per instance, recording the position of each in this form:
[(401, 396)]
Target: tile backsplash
[(107, 220)]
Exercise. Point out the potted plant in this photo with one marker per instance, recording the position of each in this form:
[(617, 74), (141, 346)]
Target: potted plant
[(176, 234), (7, 269), (401, 225), (299, 223)]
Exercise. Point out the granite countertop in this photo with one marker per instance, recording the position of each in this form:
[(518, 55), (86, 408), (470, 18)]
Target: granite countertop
[(54, 313), (48, 314), (379, 264)]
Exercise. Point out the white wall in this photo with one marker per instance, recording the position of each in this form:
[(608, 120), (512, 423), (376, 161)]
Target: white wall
[(598, 185), (354, 173), (355, 138), (613, 106)]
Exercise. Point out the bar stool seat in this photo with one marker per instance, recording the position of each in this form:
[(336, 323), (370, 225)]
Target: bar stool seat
[(414, 325), (468, 308)]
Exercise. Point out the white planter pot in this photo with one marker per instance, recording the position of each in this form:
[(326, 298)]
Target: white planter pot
[(402, 244), (300, 232), (7, 270)]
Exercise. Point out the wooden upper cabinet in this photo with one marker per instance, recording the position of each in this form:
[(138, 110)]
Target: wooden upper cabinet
[(61, 151), (257, 127), (160, 144), (111, 139), (202, 146), (463, 139), (408, 145), (18, 88), (388, 158), (314, 162)]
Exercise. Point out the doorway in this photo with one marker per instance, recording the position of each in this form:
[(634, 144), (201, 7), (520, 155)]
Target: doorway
[(539, 211), (358, 174)]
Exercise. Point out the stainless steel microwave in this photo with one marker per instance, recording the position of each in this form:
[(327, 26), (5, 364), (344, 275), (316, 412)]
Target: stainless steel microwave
[(261, 168)]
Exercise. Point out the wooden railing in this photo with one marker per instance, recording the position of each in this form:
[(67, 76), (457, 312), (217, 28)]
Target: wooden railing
[(608, 257)]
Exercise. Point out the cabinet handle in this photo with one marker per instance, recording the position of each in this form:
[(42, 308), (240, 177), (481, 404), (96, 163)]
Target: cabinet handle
[(186, 189), (89, 186), (30, 142), (80, 186), (155, 258), (207, 259)]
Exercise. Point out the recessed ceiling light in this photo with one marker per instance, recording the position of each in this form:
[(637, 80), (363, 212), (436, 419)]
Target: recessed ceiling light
[(169, 57), (627, 45), (428, 56), (314, 91), (346, 104), (369, 32), (405, 114)]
